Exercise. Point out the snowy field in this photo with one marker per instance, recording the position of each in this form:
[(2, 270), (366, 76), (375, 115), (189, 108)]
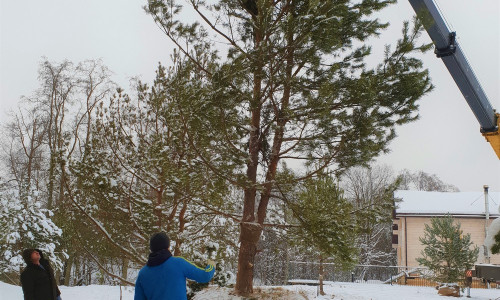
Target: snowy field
[(338, 291)]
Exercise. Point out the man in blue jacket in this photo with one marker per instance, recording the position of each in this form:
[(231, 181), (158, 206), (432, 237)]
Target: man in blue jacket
[(164, 276)]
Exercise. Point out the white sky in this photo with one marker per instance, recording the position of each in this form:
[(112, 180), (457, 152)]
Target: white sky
[(445, 141)]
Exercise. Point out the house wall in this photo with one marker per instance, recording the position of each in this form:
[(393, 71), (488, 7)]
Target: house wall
[(410, 229)]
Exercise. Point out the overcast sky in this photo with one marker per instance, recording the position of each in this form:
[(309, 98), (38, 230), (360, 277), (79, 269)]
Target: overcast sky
[(445, 141)]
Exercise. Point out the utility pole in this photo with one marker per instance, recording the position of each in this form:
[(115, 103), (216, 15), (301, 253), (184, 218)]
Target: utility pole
[(486, 221)]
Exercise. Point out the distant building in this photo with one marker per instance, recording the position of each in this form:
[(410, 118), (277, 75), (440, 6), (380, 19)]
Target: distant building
[(416, 209)]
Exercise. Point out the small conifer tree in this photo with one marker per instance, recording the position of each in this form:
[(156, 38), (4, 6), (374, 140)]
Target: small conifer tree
[(448, 252), (24, 223), (326, 220)]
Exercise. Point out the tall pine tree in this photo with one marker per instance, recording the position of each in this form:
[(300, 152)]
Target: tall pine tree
[(293, 86)]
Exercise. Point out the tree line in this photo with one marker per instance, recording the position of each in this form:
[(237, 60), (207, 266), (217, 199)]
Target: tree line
[(271, 136), (116, 167)]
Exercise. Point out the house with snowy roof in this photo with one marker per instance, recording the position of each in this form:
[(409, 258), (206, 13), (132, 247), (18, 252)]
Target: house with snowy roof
[(416, 208)]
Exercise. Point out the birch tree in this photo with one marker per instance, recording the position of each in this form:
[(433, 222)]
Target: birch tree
[(423, 181), (370, 190), (49, 129)]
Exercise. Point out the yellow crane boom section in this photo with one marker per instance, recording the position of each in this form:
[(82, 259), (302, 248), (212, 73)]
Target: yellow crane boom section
[(494, 137)]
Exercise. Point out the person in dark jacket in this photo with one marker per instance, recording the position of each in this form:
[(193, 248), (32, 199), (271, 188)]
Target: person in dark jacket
[(37, 279), (164, 276)]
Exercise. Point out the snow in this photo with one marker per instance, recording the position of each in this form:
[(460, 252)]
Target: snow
[(493, 230), (336, 290), (113, 182), (456, 203), (91, 292)]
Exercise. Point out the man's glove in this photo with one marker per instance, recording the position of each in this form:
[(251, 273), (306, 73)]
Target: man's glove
[(211, 262)]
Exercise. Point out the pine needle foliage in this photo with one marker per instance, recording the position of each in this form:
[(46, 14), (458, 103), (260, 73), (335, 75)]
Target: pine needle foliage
[(272, 81), (448, 252), (326, 220)]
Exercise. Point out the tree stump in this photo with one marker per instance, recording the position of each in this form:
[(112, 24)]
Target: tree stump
[(447, 290)]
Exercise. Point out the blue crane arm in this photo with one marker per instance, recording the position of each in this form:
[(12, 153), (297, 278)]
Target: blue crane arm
[(448, 49)]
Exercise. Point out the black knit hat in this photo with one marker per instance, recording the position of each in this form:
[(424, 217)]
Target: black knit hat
[(27, 255), (159, 241)]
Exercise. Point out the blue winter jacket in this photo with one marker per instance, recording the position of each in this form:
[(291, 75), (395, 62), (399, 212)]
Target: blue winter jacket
[(167, 281)]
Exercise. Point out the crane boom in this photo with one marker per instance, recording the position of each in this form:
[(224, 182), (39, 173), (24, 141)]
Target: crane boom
[(448, 49)]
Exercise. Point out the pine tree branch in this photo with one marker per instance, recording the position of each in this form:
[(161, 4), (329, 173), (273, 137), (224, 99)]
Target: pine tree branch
[(124, 280), (101, 228), (141, 234), (231, 41), (201, 156)]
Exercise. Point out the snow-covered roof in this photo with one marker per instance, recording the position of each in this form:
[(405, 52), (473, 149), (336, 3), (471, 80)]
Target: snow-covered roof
[(439, 203)]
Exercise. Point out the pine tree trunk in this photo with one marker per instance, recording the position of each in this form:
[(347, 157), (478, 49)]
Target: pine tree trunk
[(182, 224), (287, 252), (157, 209), (249, 237), (250, 231), (124, 269), (76, 272), (287, 266), (67, 270), (321, 272)]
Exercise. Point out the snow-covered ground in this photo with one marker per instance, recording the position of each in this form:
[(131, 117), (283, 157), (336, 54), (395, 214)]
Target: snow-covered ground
[(344, 291)]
